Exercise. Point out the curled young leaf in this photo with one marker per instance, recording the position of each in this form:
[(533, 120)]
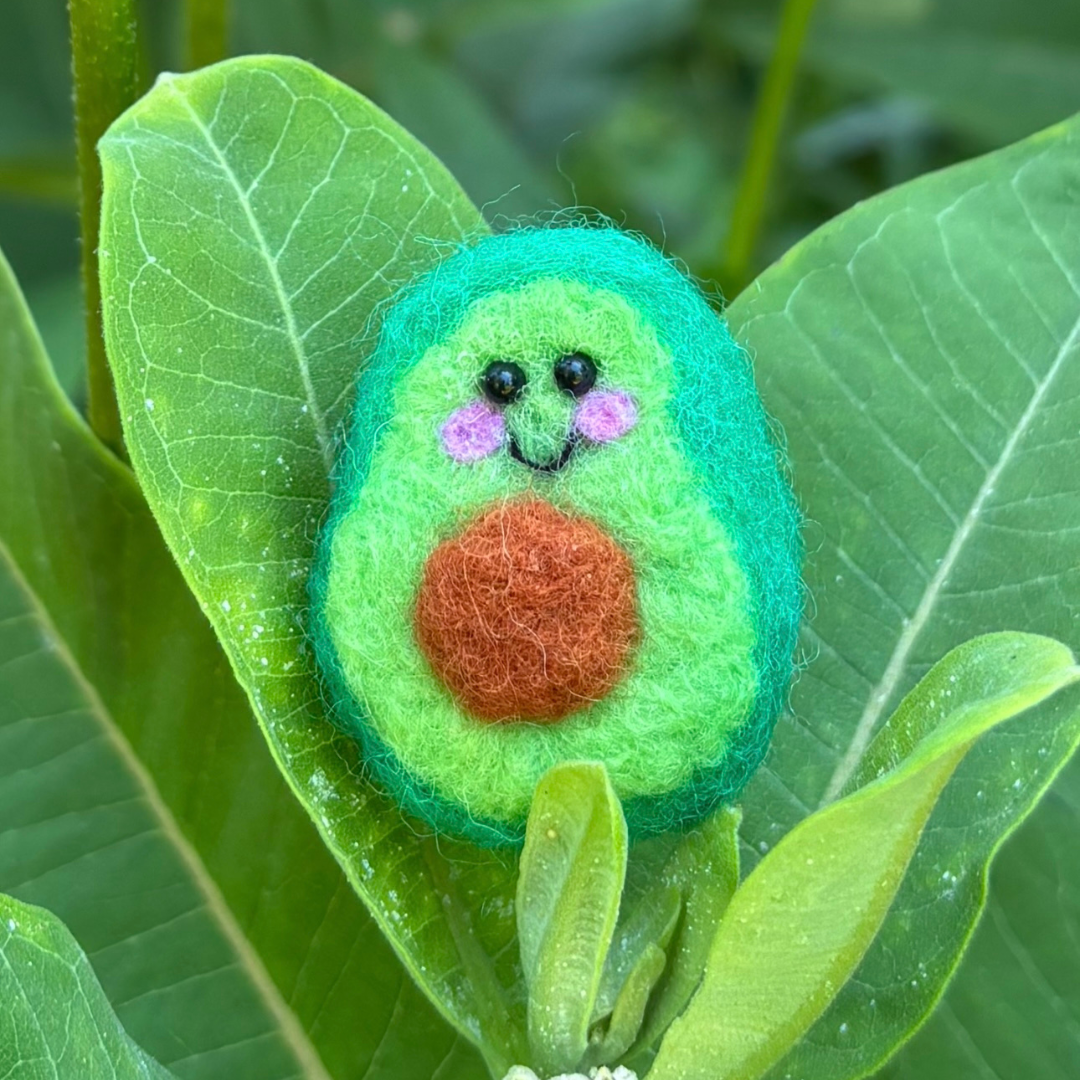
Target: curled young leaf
[(704, 866), (571, 879), (612, 1041), (797, 928), (646, 925)]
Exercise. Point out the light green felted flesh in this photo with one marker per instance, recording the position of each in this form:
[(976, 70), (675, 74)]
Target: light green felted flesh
[(692, 681)]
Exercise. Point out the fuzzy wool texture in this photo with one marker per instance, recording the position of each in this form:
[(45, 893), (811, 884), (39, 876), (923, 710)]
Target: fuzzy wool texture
[(605, 415), (529, 614), (693, 492), (472, 432)]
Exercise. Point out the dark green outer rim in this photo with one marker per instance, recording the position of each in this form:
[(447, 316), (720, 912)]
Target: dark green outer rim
[(721, 425)]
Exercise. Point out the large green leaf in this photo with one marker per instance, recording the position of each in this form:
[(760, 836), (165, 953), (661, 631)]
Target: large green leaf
[(797, 927), (55, 1020), (81, 819), (201, 179), (923, 355), (76, 527), (255, 215), (1014, 1008), (57, 310)]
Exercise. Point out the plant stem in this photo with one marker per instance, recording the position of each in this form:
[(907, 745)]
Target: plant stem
[(206, 32), (749, 209), (104, 52)]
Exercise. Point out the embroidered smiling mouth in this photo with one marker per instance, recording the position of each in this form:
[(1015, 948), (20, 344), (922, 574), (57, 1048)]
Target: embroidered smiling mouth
[(555, 464)]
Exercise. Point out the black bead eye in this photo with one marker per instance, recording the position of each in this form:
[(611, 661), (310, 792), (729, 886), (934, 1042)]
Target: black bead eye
[(575, 374), (502, 382)]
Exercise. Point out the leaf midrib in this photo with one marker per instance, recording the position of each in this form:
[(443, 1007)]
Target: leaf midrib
[(289, 1027), (322, 435), (886, 687)]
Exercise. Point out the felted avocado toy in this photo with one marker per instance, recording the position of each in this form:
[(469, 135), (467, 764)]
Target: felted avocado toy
[(560, 531)]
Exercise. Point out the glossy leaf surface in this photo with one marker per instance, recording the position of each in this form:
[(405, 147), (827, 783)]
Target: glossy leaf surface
[(91, 558), (55, 1020), (798, 926), (1014, 1008), (84, 829), (255, 215), (922, 352)]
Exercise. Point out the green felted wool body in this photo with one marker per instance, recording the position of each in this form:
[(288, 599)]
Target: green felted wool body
[(692, 492)]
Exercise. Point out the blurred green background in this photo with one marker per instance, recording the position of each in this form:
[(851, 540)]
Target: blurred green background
[(638, 108)]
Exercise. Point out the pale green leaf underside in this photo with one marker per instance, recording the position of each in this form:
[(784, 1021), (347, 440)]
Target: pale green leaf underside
[(797, 927), (923, 355), (650, 922), (55, 1021), (626, 1018), (256, 213)]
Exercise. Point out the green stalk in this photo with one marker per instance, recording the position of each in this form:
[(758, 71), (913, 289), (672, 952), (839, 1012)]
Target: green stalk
[(748, 212), (104, 52), (206, 32)]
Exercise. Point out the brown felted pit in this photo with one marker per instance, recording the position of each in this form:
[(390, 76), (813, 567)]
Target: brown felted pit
[(529, 614)]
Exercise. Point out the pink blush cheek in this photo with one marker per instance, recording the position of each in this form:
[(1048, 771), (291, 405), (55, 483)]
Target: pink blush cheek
[(473, 432), (605, 415)]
